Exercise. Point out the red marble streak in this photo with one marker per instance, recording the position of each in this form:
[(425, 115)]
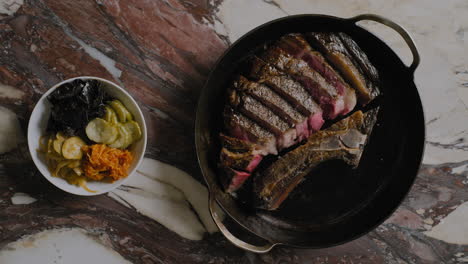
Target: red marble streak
[(174, 25), (56, 50), (145, 91), (405, 218), (176, 36), (87, 22)]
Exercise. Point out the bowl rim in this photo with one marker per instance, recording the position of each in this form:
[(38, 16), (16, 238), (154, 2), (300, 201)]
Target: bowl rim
[(111, 84)]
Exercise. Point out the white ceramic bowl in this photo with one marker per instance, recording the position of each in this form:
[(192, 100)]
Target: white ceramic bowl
[(37, 128)]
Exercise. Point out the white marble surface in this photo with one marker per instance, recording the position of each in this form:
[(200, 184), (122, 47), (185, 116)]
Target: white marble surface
[(10, 92), (22, 198), (60, 246), (454, 228), (169, 196), (9, 7), (10, 130)]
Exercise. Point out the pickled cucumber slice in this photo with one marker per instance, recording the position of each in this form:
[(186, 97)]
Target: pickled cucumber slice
[(101, 131), (134, 130), (57, 144), (71, 148), (110, 115), (122, 113), (129, 115), (123, 140), (128, 136)]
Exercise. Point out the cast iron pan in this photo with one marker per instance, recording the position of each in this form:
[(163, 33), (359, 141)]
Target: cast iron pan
[(334, 204)]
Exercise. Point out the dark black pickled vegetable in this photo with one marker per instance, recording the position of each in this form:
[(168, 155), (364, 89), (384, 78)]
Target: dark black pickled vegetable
[(74, 104)]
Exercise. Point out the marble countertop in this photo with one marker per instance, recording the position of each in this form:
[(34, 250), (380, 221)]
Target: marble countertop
[(161, 51)]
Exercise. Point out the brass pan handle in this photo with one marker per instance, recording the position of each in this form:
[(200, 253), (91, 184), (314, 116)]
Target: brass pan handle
[(403, 33), (229, 236)]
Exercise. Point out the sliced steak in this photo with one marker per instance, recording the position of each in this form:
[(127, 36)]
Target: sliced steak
[(344, 140), (276, 104), (260, 122), (284, 85), (256, 111), (324, 93), (240, 126), (337, 53), (297, 46), (262, 115), (289, 89)]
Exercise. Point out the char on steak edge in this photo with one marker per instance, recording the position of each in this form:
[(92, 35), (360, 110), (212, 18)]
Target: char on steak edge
[(283, 98)]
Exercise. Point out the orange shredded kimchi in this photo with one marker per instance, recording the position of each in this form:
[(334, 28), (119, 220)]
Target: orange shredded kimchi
[(103, 162)]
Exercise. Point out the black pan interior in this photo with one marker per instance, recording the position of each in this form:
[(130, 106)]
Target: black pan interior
[(335, 203)]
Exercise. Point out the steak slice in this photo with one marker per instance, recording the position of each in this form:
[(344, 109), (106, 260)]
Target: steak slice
[(337, 53), (240, 161), (232, 179), (289, 89), (239, 126), (262, 115), (297, 46), (344, 140), (360, 57), (239, 154), (238, 158), (238, 145), (324, 93)]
